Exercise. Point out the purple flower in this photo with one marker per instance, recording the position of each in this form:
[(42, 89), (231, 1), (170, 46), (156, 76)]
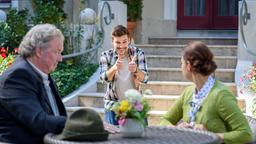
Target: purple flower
[(138, 106)]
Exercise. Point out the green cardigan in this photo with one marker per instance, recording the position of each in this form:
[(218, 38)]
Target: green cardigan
[(219, 112)]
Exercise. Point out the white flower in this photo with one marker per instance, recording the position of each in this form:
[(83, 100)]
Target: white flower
[(148, 92), (133, 96)]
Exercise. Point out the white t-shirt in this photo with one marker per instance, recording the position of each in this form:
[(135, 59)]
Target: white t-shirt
[(124, 80)]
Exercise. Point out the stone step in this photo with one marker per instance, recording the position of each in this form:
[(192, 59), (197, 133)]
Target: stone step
[(186, 40), (91, 100), (154, 115), (175, 74), (153, 119), (174, 87), (218, 50), (157, 102), (170, 61), (165, 87), (161, 102), (208, 33)]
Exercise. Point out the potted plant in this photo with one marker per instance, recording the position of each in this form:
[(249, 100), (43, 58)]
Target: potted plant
[(132, 112), (134, 13)]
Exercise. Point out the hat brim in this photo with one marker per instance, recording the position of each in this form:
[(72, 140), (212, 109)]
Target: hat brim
[(103, 136)]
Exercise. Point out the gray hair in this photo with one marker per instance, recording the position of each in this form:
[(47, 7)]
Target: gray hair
[(38, 37)]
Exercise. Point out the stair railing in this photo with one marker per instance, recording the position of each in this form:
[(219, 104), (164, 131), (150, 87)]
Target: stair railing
[(244, 17)]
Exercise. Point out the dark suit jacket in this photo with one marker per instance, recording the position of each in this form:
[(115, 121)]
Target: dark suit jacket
[(25, 112)]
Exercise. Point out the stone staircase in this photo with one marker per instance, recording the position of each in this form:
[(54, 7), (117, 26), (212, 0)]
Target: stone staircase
[(166, 80)]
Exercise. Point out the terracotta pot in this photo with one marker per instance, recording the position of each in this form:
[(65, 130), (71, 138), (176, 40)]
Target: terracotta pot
[(131, 26)]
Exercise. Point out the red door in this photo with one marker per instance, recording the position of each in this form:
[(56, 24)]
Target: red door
[(207, 14)]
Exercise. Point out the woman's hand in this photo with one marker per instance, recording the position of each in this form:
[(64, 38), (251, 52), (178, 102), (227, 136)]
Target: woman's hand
[(221, 137), (184, 125), (200, 127), (196, 126)]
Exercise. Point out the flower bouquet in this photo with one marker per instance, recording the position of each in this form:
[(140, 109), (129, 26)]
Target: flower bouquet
[(132, 112), (248, 88)]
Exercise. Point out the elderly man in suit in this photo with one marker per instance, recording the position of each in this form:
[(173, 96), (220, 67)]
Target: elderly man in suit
[(30, 104)]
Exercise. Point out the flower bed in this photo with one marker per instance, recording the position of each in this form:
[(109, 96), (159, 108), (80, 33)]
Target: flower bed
[(248, 89), (6, 59)]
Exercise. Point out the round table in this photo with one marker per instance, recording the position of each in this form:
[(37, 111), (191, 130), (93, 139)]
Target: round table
[(153, 135)]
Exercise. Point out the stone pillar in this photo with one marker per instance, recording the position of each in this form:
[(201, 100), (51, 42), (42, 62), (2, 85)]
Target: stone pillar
[(249, 33), (15, 4), (89, 28), (119, 11), (3, 16)]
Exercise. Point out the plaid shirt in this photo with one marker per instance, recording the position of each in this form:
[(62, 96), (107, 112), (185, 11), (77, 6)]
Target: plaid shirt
[(107, 60)]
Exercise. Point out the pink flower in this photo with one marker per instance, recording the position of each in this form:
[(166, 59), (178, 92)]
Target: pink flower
[(241, 91), (121, 121), (248, 79), (3, 50), (3, 55)]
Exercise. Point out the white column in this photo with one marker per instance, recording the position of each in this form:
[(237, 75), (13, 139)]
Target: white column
[(15, 4), (2, 16), (245, 59), (119, 9), (170, 9)]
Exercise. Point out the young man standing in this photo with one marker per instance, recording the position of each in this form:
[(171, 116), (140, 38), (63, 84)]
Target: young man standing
[(123, 67)]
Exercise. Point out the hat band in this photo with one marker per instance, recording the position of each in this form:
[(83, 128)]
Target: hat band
[(72, 133)]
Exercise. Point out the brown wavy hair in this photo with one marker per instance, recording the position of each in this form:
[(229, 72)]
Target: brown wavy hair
[(200, 57), (119, 30)]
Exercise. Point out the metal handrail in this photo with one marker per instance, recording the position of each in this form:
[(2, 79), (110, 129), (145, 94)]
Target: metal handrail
[(107, 20), (244, 17)]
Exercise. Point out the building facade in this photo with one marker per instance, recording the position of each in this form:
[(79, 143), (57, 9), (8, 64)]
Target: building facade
[(161, 18)]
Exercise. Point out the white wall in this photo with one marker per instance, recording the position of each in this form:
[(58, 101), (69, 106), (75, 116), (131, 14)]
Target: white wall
[(119, 10), (249, 32), (159, 20), (245, 59)]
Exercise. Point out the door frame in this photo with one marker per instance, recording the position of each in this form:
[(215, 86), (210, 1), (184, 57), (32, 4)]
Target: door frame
[(223, 22), (211, 20)]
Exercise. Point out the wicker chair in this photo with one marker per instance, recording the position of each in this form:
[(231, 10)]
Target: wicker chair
[(252, 123)]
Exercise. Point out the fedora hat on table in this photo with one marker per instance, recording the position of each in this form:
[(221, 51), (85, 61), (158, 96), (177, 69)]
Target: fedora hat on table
[(84, 125)]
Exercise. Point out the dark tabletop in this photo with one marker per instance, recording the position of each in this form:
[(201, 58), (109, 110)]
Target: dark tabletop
[(153, 135)]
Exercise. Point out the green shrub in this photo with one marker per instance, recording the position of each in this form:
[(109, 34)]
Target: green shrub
[(50, 11), (4, 33), (58, 4), (47, 13), (13, 30), (134, 9), (70, 77)]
